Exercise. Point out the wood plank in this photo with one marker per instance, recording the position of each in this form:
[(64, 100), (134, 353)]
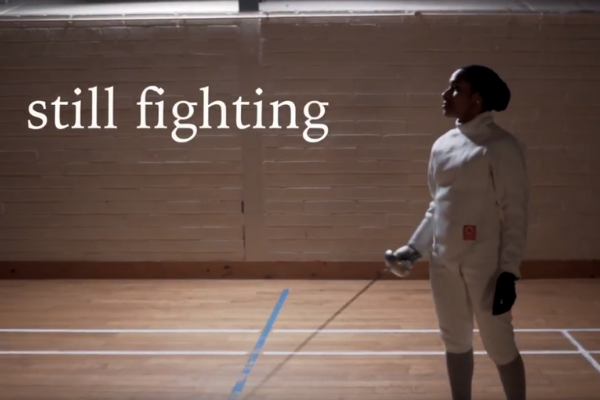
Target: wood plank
[(246, 305), (410, 341), (318, 270), (589, 340)]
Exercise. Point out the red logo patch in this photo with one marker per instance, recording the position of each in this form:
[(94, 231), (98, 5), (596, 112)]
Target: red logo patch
[(469, 232)]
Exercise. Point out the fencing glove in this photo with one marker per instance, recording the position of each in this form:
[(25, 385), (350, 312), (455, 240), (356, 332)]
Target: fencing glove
[(407, 253), (506, 293), (400, 262)]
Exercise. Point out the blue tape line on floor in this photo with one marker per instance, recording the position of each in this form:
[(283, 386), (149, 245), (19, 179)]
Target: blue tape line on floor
[(239, 386)]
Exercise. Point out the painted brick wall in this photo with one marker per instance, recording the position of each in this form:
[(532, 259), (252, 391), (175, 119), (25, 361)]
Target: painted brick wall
[(231, 194)]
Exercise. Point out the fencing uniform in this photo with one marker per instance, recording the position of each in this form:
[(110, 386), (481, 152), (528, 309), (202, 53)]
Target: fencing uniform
[(474, 229)]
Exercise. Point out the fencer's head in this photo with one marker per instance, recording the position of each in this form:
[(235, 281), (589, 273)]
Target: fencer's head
[(474, 89)]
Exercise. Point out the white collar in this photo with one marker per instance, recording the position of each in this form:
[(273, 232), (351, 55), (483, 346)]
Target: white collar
[(479, 124)]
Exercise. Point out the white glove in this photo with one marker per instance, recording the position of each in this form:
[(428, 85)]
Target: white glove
[(401, 261)]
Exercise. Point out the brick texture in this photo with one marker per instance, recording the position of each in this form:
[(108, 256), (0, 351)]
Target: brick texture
[(266, 194)]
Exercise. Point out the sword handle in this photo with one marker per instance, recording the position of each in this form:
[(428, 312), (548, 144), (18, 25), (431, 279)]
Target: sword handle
[(400, 268)]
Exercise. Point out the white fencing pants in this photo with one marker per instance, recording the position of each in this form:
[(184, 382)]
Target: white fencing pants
[(467, 290)]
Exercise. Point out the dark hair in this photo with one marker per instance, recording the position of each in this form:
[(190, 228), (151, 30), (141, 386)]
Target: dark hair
[(493, 90)]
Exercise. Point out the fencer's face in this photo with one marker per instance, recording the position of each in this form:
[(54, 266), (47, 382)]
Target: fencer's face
[(458, 100)]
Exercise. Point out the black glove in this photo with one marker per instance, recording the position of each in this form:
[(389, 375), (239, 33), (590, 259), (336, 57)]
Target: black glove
[(506, 293), (407, 253)]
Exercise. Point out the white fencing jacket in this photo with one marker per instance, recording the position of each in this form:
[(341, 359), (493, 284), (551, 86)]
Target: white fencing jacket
[(480, 193)]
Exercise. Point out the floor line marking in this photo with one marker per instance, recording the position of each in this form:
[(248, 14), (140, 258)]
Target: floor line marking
[(406, 353), (123, 352), (238, 388), (582, 350), (107, 331), (267, 353), (217, 330), (363, 331)]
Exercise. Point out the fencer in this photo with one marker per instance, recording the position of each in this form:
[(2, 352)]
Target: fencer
[(475, 230)]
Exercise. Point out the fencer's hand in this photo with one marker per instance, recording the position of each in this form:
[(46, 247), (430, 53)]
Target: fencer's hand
[(407, 253), (506, 293), (400, 262)]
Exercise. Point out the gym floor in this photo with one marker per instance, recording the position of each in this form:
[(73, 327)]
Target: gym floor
[(206, 340)]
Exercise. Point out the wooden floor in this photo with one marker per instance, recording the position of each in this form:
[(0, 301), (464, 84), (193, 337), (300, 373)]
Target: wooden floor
[(205, 340)]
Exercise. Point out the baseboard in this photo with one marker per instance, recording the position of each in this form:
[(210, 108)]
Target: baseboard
[(531, 269)]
